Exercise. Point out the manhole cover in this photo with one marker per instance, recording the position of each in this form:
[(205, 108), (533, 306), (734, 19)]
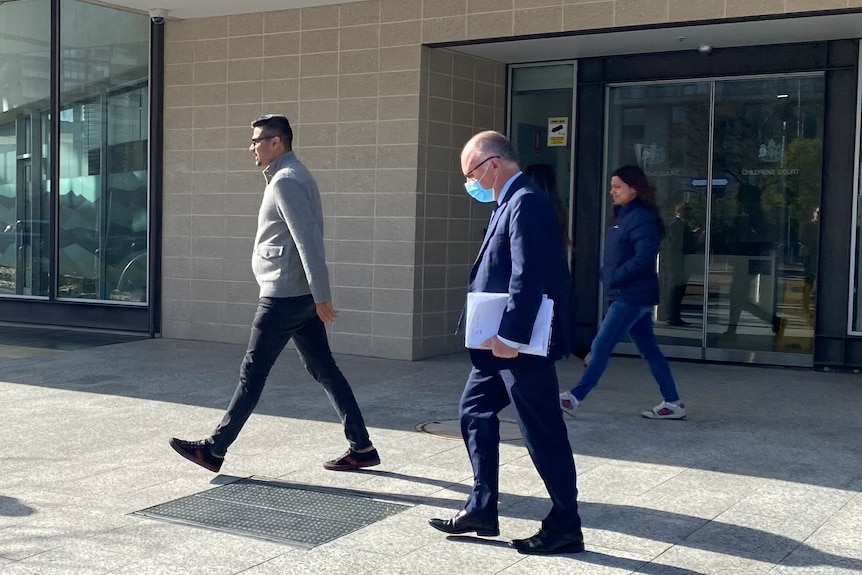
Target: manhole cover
[(295, 514), (451, 429)]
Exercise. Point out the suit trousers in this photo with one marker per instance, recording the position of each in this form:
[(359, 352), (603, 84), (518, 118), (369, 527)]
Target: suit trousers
[(532, 386), (276, 322)]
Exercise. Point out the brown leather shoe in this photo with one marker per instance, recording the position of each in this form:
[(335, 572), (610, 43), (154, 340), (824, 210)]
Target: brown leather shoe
[(549, 543), (466, 523), (197, 452), (353, 460)]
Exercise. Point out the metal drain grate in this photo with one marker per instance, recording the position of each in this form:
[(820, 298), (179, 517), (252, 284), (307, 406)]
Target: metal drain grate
[(295, 514)]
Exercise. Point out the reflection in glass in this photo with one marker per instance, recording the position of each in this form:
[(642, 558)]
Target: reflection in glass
[(541, 94), (25, 72), (103, 154), (764, 233), (664, 128), (857, 292), (756, 208)]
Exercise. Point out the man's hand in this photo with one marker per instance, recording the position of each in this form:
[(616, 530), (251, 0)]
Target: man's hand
[(326, 312), (499, 349)]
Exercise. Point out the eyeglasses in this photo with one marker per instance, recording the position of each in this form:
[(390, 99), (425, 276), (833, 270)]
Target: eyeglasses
[(468, 175), (256, 141)]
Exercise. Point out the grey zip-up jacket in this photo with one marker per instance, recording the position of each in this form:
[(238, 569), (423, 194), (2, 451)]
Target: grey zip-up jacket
[(288, 258)]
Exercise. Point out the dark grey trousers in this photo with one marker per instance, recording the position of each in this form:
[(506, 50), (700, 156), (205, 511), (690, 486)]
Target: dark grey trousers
[(277, 321)]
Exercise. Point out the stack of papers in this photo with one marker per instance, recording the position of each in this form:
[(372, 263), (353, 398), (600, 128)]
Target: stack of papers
[(485, 312)]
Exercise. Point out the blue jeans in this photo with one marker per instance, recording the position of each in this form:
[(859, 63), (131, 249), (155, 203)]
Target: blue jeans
[(277, 321), (636, 321)]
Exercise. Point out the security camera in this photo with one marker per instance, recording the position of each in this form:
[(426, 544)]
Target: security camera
[(158, 15)]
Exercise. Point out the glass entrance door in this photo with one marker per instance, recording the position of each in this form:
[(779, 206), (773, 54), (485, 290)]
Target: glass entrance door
[(736, 165), (765, 220), (665, 129)]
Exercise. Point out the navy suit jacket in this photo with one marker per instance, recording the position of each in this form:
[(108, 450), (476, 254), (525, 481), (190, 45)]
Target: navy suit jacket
[(524, 255)]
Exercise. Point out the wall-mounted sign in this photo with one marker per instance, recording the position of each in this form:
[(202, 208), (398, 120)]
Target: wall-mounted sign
[(771, 172), (701, 182), (558, 132)]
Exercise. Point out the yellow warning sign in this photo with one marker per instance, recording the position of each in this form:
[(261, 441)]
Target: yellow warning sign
[(558, 132)]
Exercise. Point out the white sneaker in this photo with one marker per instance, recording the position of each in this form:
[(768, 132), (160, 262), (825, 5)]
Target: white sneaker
[(568, 403), (665, 410)]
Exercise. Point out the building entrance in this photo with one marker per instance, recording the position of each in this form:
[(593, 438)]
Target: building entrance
[(736, 164)]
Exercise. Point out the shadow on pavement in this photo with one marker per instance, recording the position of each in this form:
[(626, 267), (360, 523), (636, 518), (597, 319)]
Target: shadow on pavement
[(11, 507), (671, 528), (792, 425)]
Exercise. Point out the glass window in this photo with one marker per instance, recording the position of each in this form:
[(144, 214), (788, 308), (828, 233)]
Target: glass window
[(541, 129), (765, 224), (665, 129), (103, 154), (25, 72), (738, 262), (856, 303)]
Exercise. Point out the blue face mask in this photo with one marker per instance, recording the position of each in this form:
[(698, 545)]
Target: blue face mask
[(479, 193)]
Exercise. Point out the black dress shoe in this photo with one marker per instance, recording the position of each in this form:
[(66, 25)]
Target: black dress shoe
[(465, 523), (548, 543), (197, 452)]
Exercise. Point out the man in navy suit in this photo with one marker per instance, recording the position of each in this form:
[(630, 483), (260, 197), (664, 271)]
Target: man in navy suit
[(523, 255)]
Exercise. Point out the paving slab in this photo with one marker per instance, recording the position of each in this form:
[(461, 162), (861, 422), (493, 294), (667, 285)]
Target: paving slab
[(763, 477)]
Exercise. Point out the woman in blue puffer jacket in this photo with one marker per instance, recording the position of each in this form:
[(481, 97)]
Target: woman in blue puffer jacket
[(631, 283)]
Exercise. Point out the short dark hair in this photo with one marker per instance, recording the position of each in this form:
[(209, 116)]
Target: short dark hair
[(275, 125)]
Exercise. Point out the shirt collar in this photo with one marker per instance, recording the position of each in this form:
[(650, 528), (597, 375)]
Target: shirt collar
[(276, 165), (506, 188)]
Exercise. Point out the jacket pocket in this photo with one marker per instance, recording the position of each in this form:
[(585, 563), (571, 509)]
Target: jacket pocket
[(267, 262)]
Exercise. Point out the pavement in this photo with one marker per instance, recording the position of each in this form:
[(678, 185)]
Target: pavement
[(763, 477)]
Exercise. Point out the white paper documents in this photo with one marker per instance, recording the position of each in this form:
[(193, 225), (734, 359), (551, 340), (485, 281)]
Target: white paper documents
[(485, 312)]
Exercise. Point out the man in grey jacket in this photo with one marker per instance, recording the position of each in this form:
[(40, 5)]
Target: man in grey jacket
[(290, 268)]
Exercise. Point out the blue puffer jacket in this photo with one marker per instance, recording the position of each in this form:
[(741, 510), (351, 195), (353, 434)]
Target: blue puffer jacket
[(631, 246)]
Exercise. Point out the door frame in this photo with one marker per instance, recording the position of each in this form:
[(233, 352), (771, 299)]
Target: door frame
[(705, 352), (570, 185), (839, 60)]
